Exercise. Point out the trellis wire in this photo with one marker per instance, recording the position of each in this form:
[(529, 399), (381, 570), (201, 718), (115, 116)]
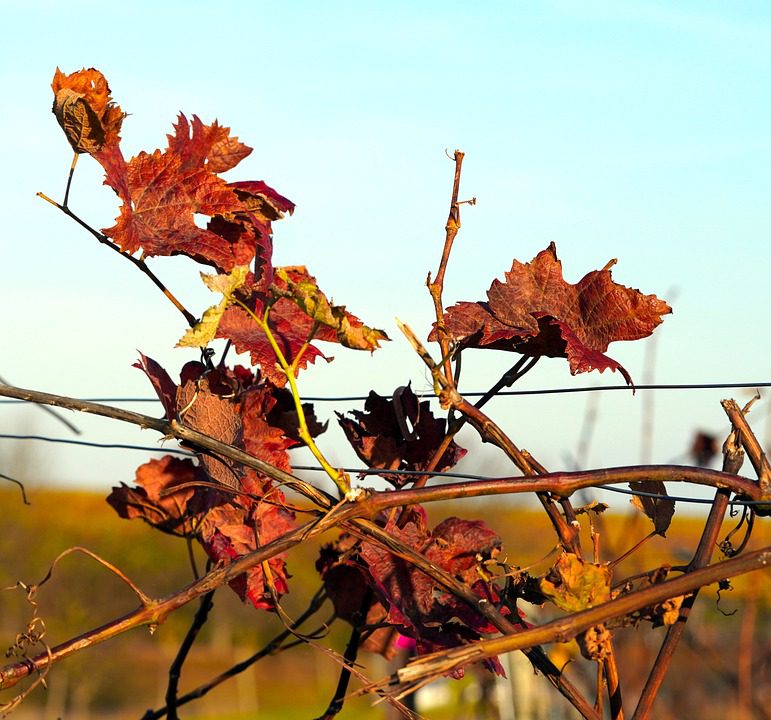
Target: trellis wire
[(543, 391), (361, 471)]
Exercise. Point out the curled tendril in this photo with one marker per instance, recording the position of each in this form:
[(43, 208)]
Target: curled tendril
[(727, 546), (724, 585), (32, 636)]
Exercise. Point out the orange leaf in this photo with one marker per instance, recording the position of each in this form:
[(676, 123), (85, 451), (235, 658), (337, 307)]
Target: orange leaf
[(84, 109)]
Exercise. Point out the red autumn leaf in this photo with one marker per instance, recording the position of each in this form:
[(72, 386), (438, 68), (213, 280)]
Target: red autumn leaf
[(536, 312), (291, 329), (163, 191), (299, 313), (263, 202), (151, 501), (457, 545), (233, 407), (398, 433), (164, 386), (85, 110), (416, 604), (409, 593), (261, 438), (253, 227), (210, 146), (230, 531)]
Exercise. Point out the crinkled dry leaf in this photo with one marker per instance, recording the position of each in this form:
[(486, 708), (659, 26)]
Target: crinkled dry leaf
[(595, 643), (670, 610), (84, 109), (536, 312)]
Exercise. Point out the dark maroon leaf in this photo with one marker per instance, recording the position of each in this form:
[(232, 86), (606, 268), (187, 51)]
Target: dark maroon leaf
[(398, 433)]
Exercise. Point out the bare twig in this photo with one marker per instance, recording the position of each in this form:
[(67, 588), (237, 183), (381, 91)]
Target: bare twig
[(750, 443), (733, 458), (175, 671), (63, 420), (491, 432), (349, 659), (436, 286), (21, 487), (189, 317), (275, 646)]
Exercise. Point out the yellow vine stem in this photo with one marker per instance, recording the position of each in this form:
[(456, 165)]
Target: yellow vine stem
[(340, 478)]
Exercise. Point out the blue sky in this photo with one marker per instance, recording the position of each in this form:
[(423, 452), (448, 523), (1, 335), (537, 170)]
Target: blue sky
[(629, 130)]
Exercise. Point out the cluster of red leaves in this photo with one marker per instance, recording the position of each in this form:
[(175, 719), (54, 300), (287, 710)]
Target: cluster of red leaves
[(240, 409), (537, 312), (404, 596), (163, 191)]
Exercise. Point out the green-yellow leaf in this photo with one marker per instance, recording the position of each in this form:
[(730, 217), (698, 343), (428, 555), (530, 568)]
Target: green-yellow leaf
[(206, 329), (298, 286), (574, 585)]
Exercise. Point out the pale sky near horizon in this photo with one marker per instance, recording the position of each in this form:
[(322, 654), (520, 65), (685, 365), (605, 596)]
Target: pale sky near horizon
[(635, 130)]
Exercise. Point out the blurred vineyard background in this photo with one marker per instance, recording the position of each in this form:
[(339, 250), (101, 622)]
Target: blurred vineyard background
[(723, 667)]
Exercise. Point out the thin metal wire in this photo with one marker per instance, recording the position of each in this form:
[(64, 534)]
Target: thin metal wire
[(105, 446), (358, 471), (544, 391)]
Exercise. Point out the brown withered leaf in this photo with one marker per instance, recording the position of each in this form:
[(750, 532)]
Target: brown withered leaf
[(283, 415), (536, 312), (666, 612), (595, 643), (659, 509), (573, 584), (85, 110), (670, 610), (216, 416), (261, 438)]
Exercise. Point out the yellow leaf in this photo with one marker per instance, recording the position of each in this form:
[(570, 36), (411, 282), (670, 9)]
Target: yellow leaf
[(205, 330), (573, 584)]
